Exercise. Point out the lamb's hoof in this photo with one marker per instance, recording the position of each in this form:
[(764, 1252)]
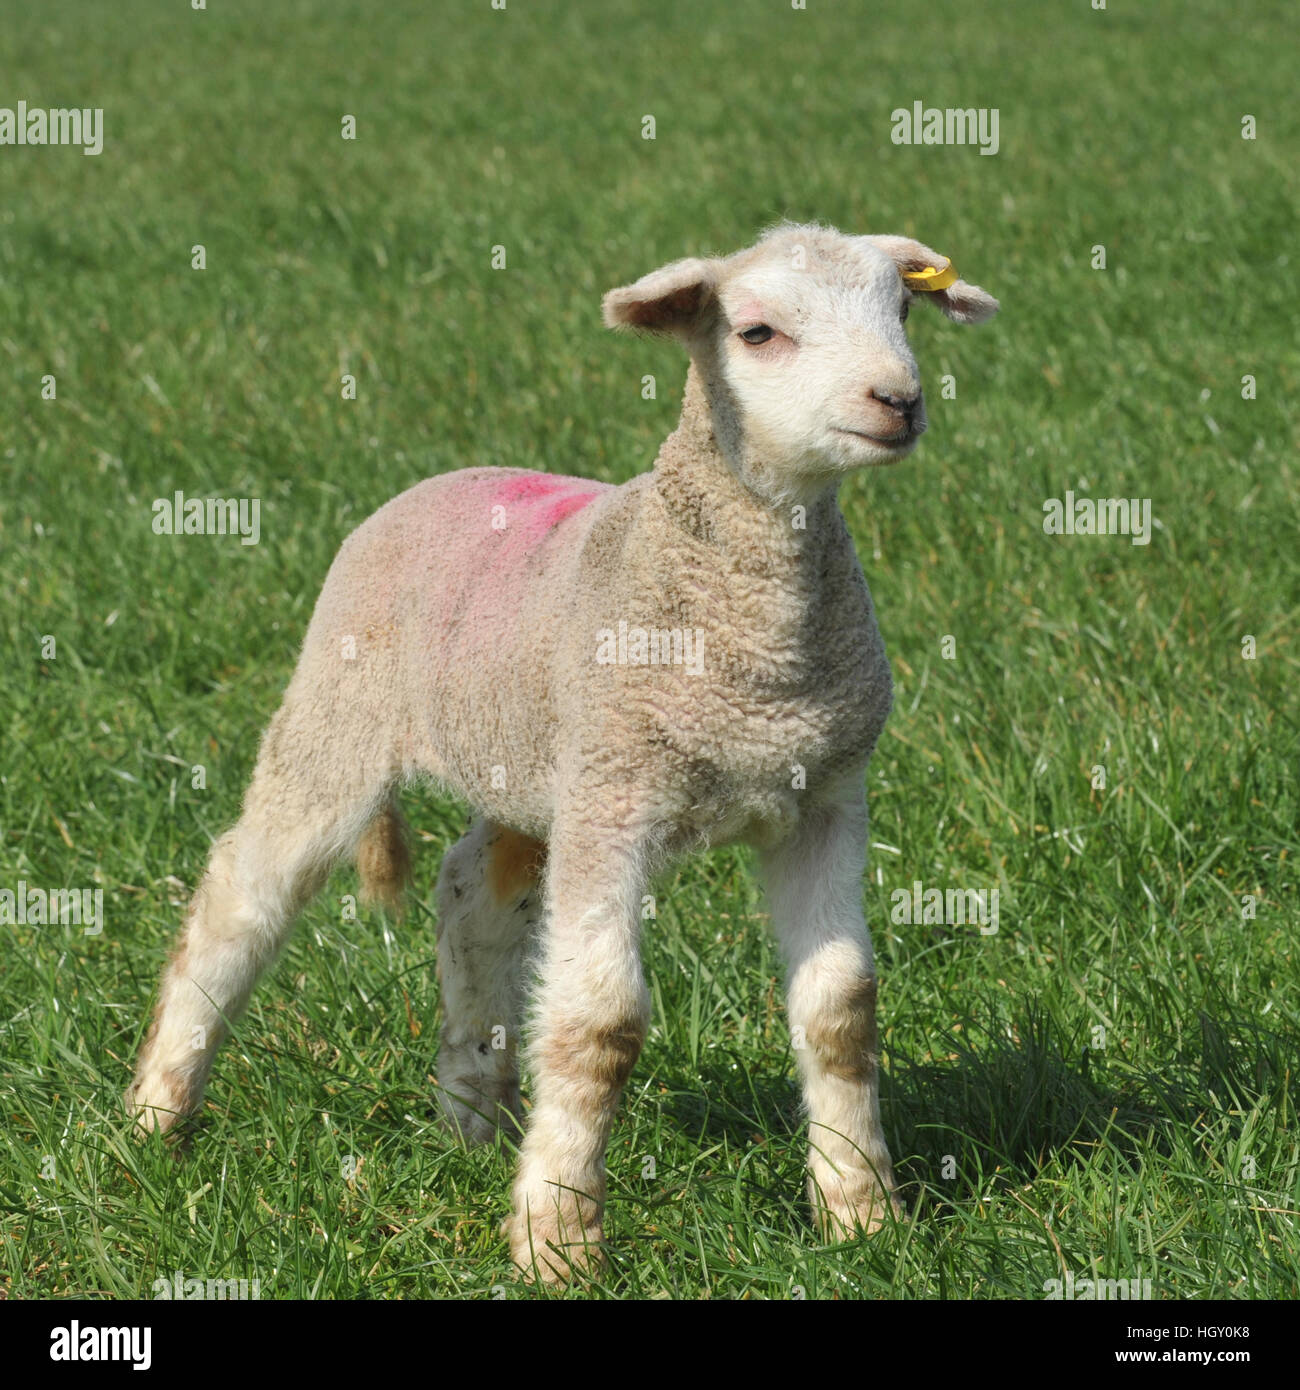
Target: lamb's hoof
[(161, 1110), (556, 1248), (839, 1219), (473, 1118), (157, 1103)]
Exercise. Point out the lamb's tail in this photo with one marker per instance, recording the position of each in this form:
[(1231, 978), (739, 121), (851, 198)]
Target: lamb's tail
[(384, 859)]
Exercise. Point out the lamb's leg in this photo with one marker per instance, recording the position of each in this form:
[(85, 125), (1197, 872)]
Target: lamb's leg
[(592, 1012), (815, 885), (488, 904), (300, 815)]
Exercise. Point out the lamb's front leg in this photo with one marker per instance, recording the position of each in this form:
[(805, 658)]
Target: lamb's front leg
[(814, 883), (589, 1024)]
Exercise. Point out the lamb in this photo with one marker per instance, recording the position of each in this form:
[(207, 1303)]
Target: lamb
[(490, 629)]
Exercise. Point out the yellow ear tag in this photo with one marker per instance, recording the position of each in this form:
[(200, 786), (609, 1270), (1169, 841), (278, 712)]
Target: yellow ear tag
[(931, 278)]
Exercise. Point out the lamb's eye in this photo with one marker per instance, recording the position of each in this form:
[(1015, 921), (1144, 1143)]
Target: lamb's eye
[(760, 333), (902, 313)]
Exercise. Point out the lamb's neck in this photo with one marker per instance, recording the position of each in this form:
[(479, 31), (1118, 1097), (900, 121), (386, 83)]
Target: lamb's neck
[(711, 489)]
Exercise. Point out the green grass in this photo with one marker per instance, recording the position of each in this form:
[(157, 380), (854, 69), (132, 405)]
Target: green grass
[(1171, 1151)]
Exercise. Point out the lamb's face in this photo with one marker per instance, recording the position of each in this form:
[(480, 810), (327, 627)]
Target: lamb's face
[(809, 335), (800, 341)]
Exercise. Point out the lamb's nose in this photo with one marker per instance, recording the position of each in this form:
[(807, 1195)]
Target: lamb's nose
[(905, 405)]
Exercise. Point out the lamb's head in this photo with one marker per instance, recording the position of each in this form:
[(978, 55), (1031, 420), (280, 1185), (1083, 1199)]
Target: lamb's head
[(800, 345)]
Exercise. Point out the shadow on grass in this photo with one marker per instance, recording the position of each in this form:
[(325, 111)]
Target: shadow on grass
[(1023, 1095)]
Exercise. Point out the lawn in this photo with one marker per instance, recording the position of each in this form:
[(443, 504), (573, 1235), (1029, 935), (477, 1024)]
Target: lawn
[(1106, 1087)]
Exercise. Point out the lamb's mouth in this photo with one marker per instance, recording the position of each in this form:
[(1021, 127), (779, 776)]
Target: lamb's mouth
[(897, 442)]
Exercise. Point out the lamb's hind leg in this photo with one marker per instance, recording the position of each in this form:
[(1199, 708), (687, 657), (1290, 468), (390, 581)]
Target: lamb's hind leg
[(488, 905), (301, 813)]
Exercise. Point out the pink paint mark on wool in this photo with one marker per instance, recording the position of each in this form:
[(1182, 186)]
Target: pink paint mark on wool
[(566, 506), (531, 486), (492, 565), (536, 503)]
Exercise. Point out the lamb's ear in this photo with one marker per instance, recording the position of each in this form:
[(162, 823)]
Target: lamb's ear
[(963, 303), (671, 299)]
